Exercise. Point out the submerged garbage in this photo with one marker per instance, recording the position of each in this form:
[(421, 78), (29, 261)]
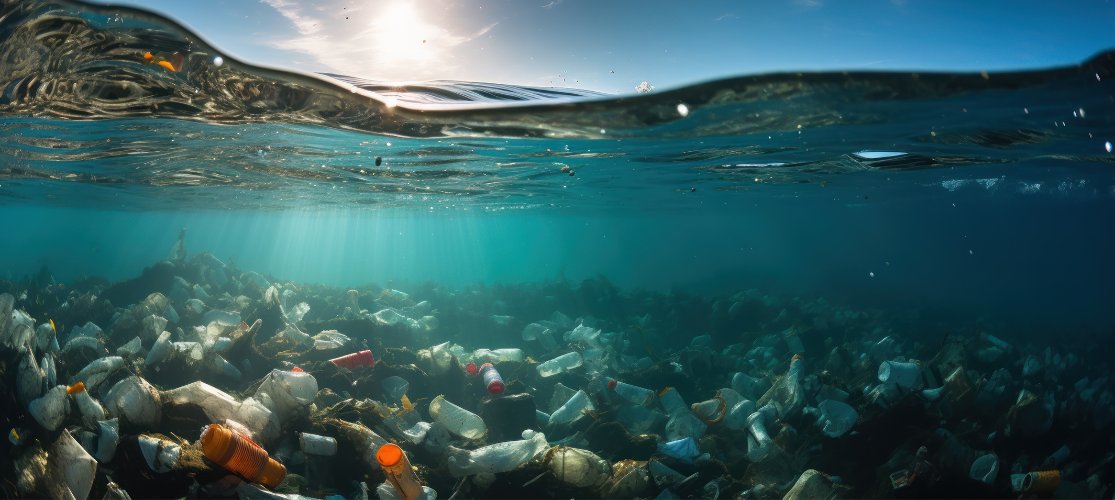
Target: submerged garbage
[(206, 381)]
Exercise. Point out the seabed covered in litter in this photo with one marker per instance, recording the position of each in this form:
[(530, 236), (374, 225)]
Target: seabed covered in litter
[(201, 380)]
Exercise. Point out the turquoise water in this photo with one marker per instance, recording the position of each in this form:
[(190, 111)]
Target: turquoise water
[(972, 202)]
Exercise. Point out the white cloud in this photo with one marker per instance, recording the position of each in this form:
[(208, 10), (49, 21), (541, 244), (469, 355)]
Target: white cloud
[(726, 16), (552, 4), (389, 41)]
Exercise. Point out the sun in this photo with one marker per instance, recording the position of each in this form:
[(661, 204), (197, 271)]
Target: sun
[(399, 35)]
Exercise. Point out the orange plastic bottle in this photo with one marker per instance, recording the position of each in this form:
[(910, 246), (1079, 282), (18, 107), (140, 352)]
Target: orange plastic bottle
[(241, 455), (399, 471)]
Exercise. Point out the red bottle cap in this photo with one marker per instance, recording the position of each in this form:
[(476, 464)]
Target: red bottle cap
[(612, 384), (472, 369), (296, 369)]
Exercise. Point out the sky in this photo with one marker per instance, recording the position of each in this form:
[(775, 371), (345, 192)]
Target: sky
[(614, 45)]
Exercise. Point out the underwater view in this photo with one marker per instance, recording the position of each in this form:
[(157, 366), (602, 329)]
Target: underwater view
[(226, 279)]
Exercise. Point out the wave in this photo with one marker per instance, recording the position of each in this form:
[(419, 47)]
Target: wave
[(78, 61)]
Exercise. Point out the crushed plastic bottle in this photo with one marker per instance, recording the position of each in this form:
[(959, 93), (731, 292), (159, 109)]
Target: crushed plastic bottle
[(572, 410), (496, 458)]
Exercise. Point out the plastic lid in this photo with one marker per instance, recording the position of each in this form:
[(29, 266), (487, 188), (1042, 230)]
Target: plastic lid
[(612, 384), (389, 455), (471, 369), (297, 369), (76, 388), (495, 388)]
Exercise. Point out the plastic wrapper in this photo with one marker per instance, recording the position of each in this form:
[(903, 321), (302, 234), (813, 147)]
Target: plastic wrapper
[(496, 458)]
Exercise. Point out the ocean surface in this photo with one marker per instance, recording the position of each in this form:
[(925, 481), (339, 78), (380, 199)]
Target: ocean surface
[(984, 200)]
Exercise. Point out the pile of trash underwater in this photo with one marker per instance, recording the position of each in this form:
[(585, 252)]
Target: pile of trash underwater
[(200, 380)]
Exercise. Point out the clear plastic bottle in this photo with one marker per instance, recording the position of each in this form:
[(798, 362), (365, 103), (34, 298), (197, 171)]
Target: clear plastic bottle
[(51, 409), (788, 391), (90, 408), (683, 423), (496, 458), (457, 420), (560, 364), (632, 393), (572, 410)]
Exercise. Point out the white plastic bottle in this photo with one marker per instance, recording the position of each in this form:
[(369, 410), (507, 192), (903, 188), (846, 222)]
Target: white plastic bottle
[(457, 420)]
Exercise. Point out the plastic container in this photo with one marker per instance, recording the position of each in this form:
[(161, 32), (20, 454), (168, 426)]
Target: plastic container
[(572, 410), (492, 380), (51, 409), (387, 492), (906, 375), (560, 364), (985, 469), (396, 387), (399, 472), (457, 420), (471, 369), (351, 361), (496, 458), (224, 368), (632, 393), (579, 468), (682, 449), (258, 421), (682, 423), (90, 408), (313, 444), (1043, 484), (162, 456), (288, 391), (98, 370), (836, 418), (759, 441), (135, 402), (242, 456)]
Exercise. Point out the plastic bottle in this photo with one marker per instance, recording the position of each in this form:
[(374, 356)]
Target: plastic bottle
[(399, 472), (98, 370), (632, 393), (90, 408), (351, 361), (492, 380), (560, 364), (288, 391), (906, 375), (572, 410), (836, 418), (788, 391), (1043, 484), (683, 423), (759, 442), (313, 444), (457, 420), (496, 458), (237, 454)]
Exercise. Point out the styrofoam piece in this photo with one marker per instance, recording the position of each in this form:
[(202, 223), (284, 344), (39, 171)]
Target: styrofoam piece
[(496, 458)]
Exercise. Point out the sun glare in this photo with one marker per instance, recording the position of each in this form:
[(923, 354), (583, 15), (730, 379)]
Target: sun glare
[(400, 35)]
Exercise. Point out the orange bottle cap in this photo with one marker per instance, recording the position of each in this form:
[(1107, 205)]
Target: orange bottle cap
[(389, 455), (76, 388)]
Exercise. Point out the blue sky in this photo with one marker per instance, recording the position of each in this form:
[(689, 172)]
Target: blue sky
[(580, 43)]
